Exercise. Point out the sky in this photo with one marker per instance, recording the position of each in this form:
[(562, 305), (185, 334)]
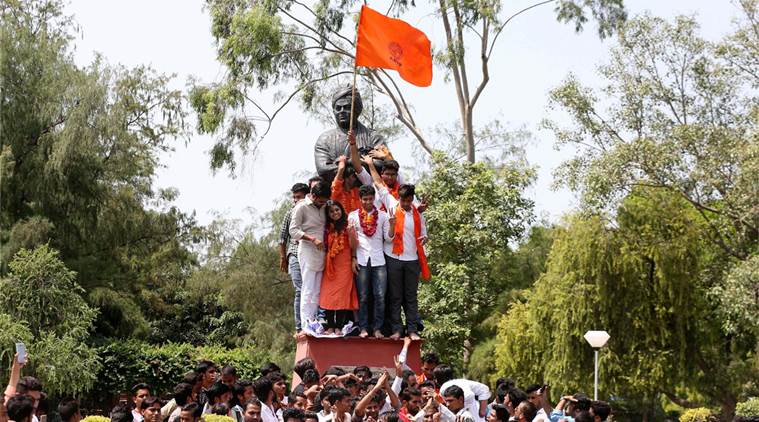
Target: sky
[(534, 54)]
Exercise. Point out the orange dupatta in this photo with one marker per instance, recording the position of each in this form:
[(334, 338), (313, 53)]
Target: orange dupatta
[(400, 217)]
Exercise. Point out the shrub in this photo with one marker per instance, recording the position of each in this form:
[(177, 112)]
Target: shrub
[(700, 414), (127, 363), (749, 407)]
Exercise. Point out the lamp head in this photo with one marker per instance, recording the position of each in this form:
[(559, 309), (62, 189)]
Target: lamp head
[(597, 339)]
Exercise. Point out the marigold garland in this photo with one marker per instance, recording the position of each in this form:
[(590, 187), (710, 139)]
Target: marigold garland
[(368, 221)]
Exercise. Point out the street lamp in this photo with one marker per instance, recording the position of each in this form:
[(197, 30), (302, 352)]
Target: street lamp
[(597, 340)]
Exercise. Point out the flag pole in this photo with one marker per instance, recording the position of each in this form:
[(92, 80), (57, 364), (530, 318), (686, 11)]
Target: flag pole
[(355, 73)]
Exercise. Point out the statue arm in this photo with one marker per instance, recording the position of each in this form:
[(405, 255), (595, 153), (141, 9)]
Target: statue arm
[(323, 157)]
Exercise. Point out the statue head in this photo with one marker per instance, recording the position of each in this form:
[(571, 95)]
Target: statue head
[(341, 106)]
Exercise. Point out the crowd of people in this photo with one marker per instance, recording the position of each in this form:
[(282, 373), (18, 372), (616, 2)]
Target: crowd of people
[(354, 248), (433, 394)]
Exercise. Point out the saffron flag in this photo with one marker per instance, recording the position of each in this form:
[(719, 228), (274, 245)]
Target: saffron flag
[(393, 44)]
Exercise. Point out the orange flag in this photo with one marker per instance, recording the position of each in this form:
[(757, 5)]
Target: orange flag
[(393, 44)]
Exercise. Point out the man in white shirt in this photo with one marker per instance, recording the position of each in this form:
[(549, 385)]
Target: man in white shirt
[(535, 396), (307, 227), (405, 259), (455, 408), (369, 227), (476, 394)]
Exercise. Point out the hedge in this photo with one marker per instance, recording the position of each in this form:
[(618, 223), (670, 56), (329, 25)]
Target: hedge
[(749, 407), (128, 363), (700, 414)]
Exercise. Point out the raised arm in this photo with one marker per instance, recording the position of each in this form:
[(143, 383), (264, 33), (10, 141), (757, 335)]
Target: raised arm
[(10, 390), (373, 171), (355, 158), (360, 410)]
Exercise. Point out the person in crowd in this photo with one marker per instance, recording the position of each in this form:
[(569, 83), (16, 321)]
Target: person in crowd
[(498, 413), (514, 397), (236, 401), (219, 393), (297, 400), (194, 380), (288, 251), (183, 394), (428, 390), (455, 403), (345, 185), (569, 406), (535, 396), (370, 227), (190, 412), (375, 399), (340, 401), (229, 375), (430, 361), (121, 413), (279, 385), (270, 367), (363, 373), (411, 402), (307, 227), (221, 409), (338, 298), (600, 410), (476, 394), (252, 410), (20, 408), (208, 373), (140, 392), (292, 415), (583, 416), (264, 390), (406, 262), (525, 412), (310, 417), (150, 408)]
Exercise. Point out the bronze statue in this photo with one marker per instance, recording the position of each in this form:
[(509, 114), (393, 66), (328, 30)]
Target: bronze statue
[(334, 142)]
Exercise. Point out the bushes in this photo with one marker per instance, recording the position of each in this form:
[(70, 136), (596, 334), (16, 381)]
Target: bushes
[(127, 363), (749, 407), (700, 414)]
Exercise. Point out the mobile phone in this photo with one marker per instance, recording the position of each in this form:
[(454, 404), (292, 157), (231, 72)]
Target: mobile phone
[(21, 352)]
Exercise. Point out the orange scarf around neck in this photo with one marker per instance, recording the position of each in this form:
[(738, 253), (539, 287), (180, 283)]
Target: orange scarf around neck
[(400, 217)]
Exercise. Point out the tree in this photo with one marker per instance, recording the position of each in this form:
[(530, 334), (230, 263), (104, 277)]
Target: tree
[(309, 47), (42, 304), (80, 149), (643, 277), (475, 211), (682, 116)]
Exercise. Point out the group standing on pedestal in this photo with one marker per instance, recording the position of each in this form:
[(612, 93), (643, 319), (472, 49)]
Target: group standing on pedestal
[(354, 244)]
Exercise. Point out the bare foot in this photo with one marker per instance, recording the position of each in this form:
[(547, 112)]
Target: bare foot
[(395, 336), (378, 334), (330, 331), (414, 337), (300, 334), (363, 334)]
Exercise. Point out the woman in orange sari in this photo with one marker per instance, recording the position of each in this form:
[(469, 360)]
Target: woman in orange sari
[(338, 297)]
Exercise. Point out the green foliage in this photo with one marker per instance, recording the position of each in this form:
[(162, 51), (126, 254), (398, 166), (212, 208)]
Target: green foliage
[(475, 211), (45, 309), (129, 362), (749, 407), (737, 297), (700, 414)]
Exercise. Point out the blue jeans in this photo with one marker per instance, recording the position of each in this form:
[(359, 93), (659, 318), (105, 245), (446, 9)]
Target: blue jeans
[(371, 283), (294, 271)]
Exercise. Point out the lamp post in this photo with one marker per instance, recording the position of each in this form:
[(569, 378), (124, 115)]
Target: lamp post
[(597, 340)]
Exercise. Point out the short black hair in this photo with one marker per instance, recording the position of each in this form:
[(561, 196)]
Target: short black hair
[(67, 408), (27, 384), (141, 386), (408, 393), (337, 394), (516, 396), (302, 365), (505, 381), (532, 388), (584, 416), (428, 384), (321, 190), (406, 373), (262, 387), (292, 413), (600, 409), (19, 408), (366, 190), (311, 376), (431, 357), (501, 391), (310, 415), (582, 402), (229, 370), (501, 413), (454, 391), (121, 413), (204, 365), (192, 377), (182, 393), (218, 389), (362, 368), (220, 409), (271, 366), (390, 165), (406, 190), (529, 411), (254, 401), (442, 374), (194, 408), (335, 370), (315, 179), (300, 188), (149, 402)]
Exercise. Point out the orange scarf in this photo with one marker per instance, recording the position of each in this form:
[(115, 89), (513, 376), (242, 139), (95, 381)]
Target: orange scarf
[(400, 217), (335, 245)]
